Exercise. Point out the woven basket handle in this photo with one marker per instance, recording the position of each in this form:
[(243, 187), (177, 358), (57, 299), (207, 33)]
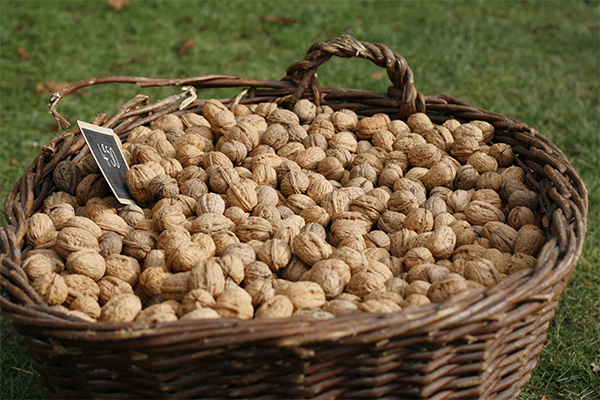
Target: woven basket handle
[(303, 72)]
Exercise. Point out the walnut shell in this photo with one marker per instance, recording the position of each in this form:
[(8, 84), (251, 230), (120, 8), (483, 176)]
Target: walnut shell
[(311, 248), (530, 240), (121, 308), (230, 305), (66, 176), (305, 294), (363, 283), (278, 306), (51, 287), (37, 225), (446, 287)]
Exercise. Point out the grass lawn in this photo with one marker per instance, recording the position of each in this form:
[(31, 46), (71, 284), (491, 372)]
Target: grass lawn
[(537, 61)]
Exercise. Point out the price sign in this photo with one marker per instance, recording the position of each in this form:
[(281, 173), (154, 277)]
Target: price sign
[(107, 153)]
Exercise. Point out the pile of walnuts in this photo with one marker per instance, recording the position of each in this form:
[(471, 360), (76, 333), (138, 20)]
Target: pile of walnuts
[(262, 212)]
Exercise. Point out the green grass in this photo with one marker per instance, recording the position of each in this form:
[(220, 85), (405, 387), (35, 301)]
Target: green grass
[(536, 61)]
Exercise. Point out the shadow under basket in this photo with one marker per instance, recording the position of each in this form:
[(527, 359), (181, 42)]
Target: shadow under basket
[(483, 344)]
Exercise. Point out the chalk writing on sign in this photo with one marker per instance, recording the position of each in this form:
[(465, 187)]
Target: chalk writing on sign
[(108, 153)]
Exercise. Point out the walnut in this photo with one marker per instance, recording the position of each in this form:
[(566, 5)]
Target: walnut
[(86, 262), (530, 240), (416, 256), (278, 306), (261, 290), (112, 223), (59, 214), (520, 261), (419, 220), (275, 136), (121, 308), (201, 313), (37, 225), (400, 240), (391, 221), (81, 285), (230, 305), (93, 185), (483, 162), (38, 264), (482, 271), (340, 308), (193, 188), (364, 282), (403, 201), (151, 279), (123, 267), (111, 286), (137, 243), (313, 313), (305, 294), (349, 224), (415, 300), (378, 306), (162, 312), (463, 232), (322, 127), (87, 305), (138, 179), (500, 260), (366, 127), (504, 238), (294, 182), (329, 280), (185, 257), (442, 242), (479, 213), (502, 153), (211, 223), (51, 287), (405, 142), (242, 195), (446, 287), (311, 248)]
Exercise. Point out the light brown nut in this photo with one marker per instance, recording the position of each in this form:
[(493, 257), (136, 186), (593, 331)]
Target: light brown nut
[(311, 248), (138, 243), (305, 294), (87, 305), (195, 299), (479, 213), (278, 306), (121, 308), (51, 287), (254, 228), (152, 278), (86, 262), (37, 225), (123, 267), (162, 312), (530, 240), (482, 271), (446, 287), (231, 305), (363, 283), (207, 276)]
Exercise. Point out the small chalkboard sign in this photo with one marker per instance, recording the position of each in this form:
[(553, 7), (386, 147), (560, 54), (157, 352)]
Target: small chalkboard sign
[(107, 153)]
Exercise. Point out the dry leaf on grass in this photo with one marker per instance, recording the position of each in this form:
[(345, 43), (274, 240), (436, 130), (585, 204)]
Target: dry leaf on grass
[(279, 20), (23, 54), (187, 45), (118, 5), (378, 75)]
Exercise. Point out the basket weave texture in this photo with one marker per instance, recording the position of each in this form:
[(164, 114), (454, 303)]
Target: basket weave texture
[(481, 345)]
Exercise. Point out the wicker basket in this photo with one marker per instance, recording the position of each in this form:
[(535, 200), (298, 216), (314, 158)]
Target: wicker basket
[(482, 345)]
